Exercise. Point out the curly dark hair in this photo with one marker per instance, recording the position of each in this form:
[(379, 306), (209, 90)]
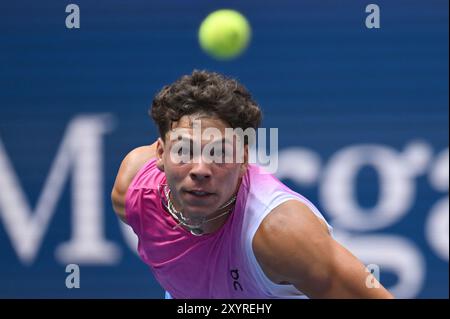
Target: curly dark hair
[(207, 93)]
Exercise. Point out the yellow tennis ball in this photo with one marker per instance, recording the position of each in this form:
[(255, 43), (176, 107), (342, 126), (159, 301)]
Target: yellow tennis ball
[(224, 34)]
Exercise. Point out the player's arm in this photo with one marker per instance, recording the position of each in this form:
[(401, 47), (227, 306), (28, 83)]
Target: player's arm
[(131, 164), (293, 246)]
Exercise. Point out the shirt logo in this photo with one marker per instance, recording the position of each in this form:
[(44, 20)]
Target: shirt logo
[(235, 276)]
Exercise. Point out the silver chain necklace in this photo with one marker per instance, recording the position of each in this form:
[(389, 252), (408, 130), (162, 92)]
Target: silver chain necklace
[(194, 225)]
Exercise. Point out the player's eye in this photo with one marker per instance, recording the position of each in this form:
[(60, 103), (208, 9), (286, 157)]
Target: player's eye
[(185, 154), (212, 153)]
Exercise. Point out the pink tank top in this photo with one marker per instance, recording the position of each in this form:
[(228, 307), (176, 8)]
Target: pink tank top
[(217, 265)]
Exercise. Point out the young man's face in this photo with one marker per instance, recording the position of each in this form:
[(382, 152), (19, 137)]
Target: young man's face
[(200, 182)]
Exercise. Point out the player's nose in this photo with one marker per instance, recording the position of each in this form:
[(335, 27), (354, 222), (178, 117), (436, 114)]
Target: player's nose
[(200, 170)]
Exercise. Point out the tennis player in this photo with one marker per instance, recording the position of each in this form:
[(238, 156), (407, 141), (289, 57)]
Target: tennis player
[(213, 226)]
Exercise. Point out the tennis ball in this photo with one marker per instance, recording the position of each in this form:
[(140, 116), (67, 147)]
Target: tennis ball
[(224, 34)]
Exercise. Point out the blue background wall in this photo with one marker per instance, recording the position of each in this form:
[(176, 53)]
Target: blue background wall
[(326, 81)]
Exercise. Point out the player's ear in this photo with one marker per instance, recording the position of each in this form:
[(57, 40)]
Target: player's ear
[(244, 165), (160, 154)]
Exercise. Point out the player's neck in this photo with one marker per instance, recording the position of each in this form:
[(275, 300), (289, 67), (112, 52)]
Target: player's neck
[(219, 217), (215, 225)]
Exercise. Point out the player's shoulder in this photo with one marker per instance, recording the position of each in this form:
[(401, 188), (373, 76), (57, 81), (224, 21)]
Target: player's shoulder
[(135, 159), (289, 228), (290, 222), (291, 216), (131, 165)]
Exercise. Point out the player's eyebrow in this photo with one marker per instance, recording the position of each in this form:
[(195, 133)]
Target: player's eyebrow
[(188, 138), (223, 141)]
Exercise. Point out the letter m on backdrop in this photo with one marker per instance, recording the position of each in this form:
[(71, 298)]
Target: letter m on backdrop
[(80, 154)]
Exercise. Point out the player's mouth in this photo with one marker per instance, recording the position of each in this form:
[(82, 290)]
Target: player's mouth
[(198, 194)]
